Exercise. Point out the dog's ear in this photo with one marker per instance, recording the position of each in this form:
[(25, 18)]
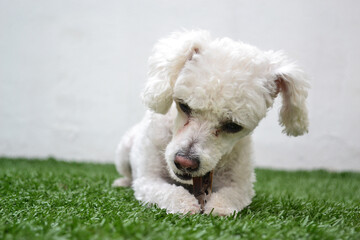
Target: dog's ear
[(168, 58), (292, 84)]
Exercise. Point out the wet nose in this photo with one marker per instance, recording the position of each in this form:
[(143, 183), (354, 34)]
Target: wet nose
[(188, 163)]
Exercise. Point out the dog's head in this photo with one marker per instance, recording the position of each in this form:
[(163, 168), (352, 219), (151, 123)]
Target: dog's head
[(222, 89)]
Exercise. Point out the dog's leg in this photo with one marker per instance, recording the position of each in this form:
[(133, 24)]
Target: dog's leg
[(175, 199), (230, 199), (122, 160), (233, 184)]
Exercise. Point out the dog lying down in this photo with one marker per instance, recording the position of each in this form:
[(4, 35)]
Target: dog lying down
[(205, 97)]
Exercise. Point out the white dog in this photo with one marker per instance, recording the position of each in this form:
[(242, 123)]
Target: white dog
[(206, 96)]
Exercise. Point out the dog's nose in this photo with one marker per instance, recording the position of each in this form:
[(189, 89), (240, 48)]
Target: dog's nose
[(187, 163)]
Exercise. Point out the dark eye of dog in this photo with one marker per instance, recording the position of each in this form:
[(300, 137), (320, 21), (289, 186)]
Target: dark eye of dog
[(185, 108), (231, 127)]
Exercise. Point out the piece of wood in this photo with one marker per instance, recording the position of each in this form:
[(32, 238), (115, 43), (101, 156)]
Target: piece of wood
[(202, 188)]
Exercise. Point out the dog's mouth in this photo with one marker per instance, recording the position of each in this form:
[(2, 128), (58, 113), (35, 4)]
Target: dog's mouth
[(184, 176)]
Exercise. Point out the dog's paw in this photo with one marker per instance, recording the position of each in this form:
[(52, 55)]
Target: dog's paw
[(192, 209), (219, 206), (182, 202), (122, 182), (185, 206)]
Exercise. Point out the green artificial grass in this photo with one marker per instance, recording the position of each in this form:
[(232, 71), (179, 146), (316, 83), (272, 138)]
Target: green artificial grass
[(60, 200)]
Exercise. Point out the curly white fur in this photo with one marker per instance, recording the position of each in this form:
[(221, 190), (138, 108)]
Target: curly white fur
[(221, 81)]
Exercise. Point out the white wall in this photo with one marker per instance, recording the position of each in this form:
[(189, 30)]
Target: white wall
[(71, 72)]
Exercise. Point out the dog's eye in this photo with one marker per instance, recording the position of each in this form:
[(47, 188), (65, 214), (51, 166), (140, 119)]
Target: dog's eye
[(185, 108), (231, 127)]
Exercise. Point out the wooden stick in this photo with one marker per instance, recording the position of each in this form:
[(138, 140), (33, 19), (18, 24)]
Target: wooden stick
[(202, 187)]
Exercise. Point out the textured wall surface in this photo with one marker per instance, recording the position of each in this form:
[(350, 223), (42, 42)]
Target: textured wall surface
[(71, 73)]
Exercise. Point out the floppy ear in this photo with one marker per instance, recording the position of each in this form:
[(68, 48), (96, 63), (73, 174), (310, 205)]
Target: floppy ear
[(291, 82), (168, 58)]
